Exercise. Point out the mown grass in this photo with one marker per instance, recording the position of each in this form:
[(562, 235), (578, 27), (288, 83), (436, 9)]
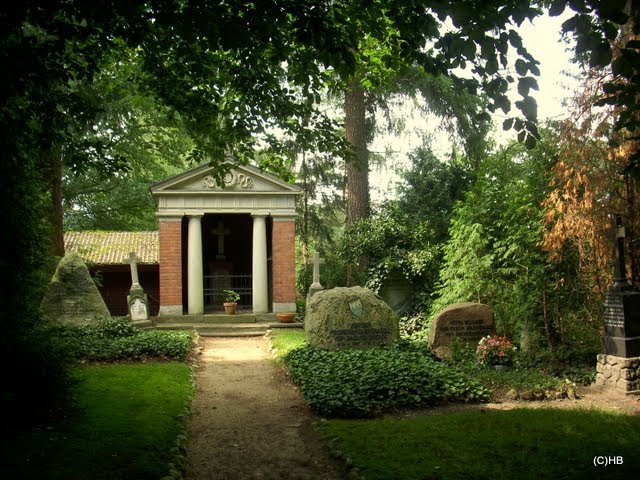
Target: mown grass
[(123, 426), (521, 443), (283, 340)]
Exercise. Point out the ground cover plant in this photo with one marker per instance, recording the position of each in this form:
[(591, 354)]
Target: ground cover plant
[(361, 383), (520, 443), (118, 339), (526, 378), (124, 423)]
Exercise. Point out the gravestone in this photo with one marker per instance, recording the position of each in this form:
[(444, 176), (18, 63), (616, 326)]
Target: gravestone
[(72, 297), (397, 291), (137, 299), (467, 321), (618, 366), (349, 318), (316, 286)]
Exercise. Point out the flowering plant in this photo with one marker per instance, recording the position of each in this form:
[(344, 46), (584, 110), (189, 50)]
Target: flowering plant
[(495, 350)]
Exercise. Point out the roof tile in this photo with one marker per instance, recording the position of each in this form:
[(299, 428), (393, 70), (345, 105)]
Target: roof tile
[(113, 248)]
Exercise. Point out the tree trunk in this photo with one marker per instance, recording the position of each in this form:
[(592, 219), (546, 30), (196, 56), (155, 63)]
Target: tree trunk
[(357, 167), (52, 171)]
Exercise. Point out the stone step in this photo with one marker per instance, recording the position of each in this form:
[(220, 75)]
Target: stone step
[(227, 329), (212, 327), (214, 318)]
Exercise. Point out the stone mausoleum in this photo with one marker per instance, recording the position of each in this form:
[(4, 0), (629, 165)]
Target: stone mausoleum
[(239, 236)]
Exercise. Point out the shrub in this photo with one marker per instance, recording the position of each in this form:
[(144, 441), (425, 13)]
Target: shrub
[(362, 383), (116, 328), (113, 340), (411, 325)]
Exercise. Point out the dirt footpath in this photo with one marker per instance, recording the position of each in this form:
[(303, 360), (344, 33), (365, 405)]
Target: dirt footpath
[(248, 422)]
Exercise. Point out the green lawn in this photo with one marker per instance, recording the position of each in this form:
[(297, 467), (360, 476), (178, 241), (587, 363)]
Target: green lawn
[(510, 444), (122, 427), (284, 340)]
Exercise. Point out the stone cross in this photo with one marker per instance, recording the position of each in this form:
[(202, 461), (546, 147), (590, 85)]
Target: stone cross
[(316, 261), (621, 269), (220, 232), (135, 282)]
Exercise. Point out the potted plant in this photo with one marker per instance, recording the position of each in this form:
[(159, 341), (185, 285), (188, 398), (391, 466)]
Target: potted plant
[(230, 301)]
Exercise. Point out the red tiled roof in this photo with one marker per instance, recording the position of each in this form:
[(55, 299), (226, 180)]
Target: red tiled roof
[(112, 248)]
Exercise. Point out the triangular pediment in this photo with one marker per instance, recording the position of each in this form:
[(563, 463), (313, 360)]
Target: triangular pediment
[(239, 179)]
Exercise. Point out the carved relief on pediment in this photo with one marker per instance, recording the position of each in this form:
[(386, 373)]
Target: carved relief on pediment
[(232, 180)]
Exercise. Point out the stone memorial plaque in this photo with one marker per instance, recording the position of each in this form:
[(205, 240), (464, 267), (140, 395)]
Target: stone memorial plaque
[(349, 318), (613, 311), (138, 310), (466, 321)]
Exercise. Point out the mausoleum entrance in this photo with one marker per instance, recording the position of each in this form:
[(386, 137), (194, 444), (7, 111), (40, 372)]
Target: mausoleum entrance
[(227, 258)]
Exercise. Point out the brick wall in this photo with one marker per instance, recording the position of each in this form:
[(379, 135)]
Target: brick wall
[(115, 284), (283, 266), (170, 257)]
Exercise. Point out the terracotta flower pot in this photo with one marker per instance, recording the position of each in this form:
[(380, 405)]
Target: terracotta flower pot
[(230, 308), (285, 317)]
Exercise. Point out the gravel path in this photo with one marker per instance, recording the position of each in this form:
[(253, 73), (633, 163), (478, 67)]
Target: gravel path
[(248, 421)]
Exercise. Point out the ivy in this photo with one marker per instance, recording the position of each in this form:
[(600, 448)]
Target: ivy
[(363, 383)]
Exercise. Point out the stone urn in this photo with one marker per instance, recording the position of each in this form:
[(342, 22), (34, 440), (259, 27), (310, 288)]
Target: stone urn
[(286, 317)]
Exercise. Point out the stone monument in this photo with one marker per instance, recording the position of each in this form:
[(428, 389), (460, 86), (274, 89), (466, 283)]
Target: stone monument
[(349, 318), (466, 321), (137, 299), (315, 287), (618, 366), (72, 296), (397, 291)]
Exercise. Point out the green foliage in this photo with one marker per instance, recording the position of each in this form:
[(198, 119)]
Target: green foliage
[(605, 37), (38, 380), (544, 377), (404, 237), (392, 243), (231, 296), (360, 383), (115, 340), (413, 324), (494, 254)]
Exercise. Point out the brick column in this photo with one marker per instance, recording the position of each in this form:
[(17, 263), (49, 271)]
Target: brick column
[(284, 264), (170, 258)]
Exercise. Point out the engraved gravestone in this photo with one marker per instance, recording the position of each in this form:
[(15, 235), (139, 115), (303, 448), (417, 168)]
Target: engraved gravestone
[(466, 321), (354, 317), (72, 296), (137, 299), (621, 308)]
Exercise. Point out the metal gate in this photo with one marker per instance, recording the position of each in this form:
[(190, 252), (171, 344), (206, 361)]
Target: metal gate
[(215, 285)]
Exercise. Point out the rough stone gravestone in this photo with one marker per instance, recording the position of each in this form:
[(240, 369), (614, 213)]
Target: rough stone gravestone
[(618, 365), (349, 318), (72, 297), (466, 321), (137, 299)]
